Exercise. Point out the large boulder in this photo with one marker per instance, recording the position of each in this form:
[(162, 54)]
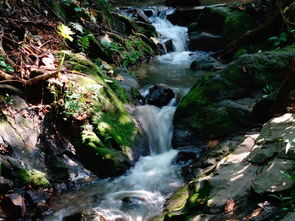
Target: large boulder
[(222, 101), (221, 24), (237, 186), (106, 134)]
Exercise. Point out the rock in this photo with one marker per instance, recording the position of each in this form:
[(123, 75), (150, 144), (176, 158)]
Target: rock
[(271, 179), (14, 205), (5, 185), (259, 110), (187, 154), (177, 200), (183, 3), (212, 19), (148, 12), (289, 217), (216, 105), (225, 21), (159, 95), (183, 137), (109, 139), (275, 139), (185, 16), (21, 133), (133, 200), (206, 64), (35, 197), (205, 41), (238, 189), (168, 45)]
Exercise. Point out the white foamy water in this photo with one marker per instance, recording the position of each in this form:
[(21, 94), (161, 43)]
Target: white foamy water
[(177, 34), (157, 123)]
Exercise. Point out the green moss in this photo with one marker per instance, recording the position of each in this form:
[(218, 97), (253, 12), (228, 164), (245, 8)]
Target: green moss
[(192, 26), (236, 23), (116, 125), (178, 200), (34, 177), (240, 52), (199, 196)]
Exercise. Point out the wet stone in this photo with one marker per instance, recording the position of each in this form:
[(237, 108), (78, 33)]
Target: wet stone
[(14, 205), (36, 197), (159, 95)]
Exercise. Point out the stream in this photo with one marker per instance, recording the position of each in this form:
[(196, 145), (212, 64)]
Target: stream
[(140, 194)]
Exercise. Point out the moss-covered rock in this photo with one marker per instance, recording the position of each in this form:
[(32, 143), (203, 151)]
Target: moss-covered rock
[(216, 26), (108, 133), (187, 201), (236, 23), (213, 107), (178, 200)]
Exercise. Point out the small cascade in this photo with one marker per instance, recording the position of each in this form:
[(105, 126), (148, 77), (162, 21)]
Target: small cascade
[(177, 34), (167, 30), (157, 123)]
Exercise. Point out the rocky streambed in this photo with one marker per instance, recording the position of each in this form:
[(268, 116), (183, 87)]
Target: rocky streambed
[(201, 142)]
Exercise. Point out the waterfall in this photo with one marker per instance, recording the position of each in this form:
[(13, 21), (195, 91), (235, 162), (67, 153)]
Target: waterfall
[(157, 123), (177, 34)]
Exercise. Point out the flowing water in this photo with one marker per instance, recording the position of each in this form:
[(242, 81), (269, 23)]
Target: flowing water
[(140, 194)]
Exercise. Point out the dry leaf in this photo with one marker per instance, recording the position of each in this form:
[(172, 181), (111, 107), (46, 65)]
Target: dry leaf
[(212, 143), (230, 206)]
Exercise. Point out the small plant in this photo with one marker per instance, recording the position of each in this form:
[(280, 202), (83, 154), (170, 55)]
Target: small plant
[(8, 99), (4, 66), (83, 43), (287, 202), (66, 32), (269, 91), (279, 40)]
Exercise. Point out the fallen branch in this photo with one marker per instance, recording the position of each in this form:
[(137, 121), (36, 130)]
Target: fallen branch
[(40, 78)]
